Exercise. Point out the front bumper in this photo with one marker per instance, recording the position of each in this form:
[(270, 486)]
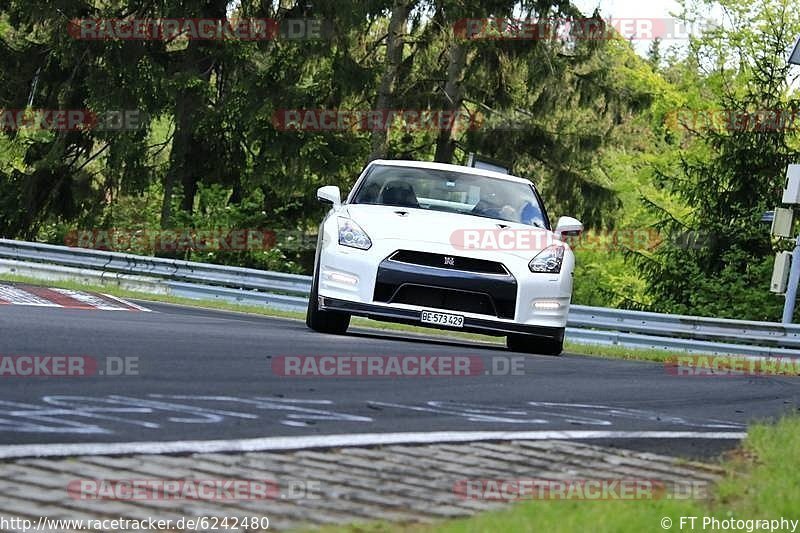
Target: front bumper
[(353, 276), (376, 283), (403, 315)]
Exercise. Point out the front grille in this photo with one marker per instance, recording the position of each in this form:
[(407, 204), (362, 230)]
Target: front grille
[(445, 299), (465, 264), (467, 285)]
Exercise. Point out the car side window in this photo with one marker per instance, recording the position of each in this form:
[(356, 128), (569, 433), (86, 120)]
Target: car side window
[(532, 215), (369, 194)]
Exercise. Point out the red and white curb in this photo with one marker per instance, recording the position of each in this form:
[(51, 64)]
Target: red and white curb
[(19, 294)]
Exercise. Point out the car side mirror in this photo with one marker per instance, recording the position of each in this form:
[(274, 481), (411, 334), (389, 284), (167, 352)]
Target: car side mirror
[(569, 227), (330, 195)]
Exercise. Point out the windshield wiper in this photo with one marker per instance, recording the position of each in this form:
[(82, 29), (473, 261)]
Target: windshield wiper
[(535, 224)]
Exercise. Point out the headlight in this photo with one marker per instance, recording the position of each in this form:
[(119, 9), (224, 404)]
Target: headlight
[(548, 261), (351, 234)]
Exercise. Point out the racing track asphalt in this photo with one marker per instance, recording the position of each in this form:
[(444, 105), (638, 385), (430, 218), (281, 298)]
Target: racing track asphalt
[(207, 374)]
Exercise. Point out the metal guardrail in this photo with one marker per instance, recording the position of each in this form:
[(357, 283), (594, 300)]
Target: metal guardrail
[(593, 325), (245, 278), (687, 327)]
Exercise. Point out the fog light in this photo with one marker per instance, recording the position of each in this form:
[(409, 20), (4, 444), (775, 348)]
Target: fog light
[(345, 279), (546, 306)]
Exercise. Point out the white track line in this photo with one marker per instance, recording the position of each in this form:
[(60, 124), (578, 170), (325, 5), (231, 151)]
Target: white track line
[(334, 441), (126, 302)]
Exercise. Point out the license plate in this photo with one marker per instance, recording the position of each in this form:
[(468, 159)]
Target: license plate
[(442, 319)]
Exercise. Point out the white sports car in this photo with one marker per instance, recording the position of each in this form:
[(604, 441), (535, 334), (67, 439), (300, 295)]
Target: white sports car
[(444, 246)]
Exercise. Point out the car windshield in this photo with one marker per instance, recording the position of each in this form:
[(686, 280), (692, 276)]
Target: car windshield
[(452, 192)]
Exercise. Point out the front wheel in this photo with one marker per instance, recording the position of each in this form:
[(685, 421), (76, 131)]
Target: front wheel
[(536, 345), (324, 321)]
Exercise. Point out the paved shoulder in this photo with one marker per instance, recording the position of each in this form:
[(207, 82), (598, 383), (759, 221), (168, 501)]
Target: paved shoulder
[(317, 487)]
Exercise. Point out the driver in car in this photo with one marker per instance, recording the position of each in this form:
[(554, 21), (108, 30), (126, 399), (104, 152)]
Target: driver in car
[(499, 205)]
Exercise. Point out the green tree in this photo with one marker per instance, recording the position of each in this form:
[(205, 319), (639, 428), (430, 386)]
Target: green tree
[(718, 258)]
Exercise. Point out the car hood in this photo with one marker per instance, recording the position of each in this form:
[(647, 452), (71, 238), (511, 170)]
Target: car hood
[(425, 226)]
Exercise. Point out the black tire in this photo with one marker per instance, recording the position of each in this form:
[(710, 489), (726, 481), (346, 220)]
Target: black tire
[(333, 322), (536, 345)]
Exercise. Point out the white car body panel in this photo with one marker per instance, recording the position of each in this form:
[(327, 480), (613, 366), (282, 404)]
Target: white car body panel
[(349, 274)]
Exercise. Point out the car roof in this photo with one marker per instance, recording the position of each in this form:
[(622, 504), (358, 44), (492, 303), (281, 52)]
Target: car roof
[(452, 168)]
